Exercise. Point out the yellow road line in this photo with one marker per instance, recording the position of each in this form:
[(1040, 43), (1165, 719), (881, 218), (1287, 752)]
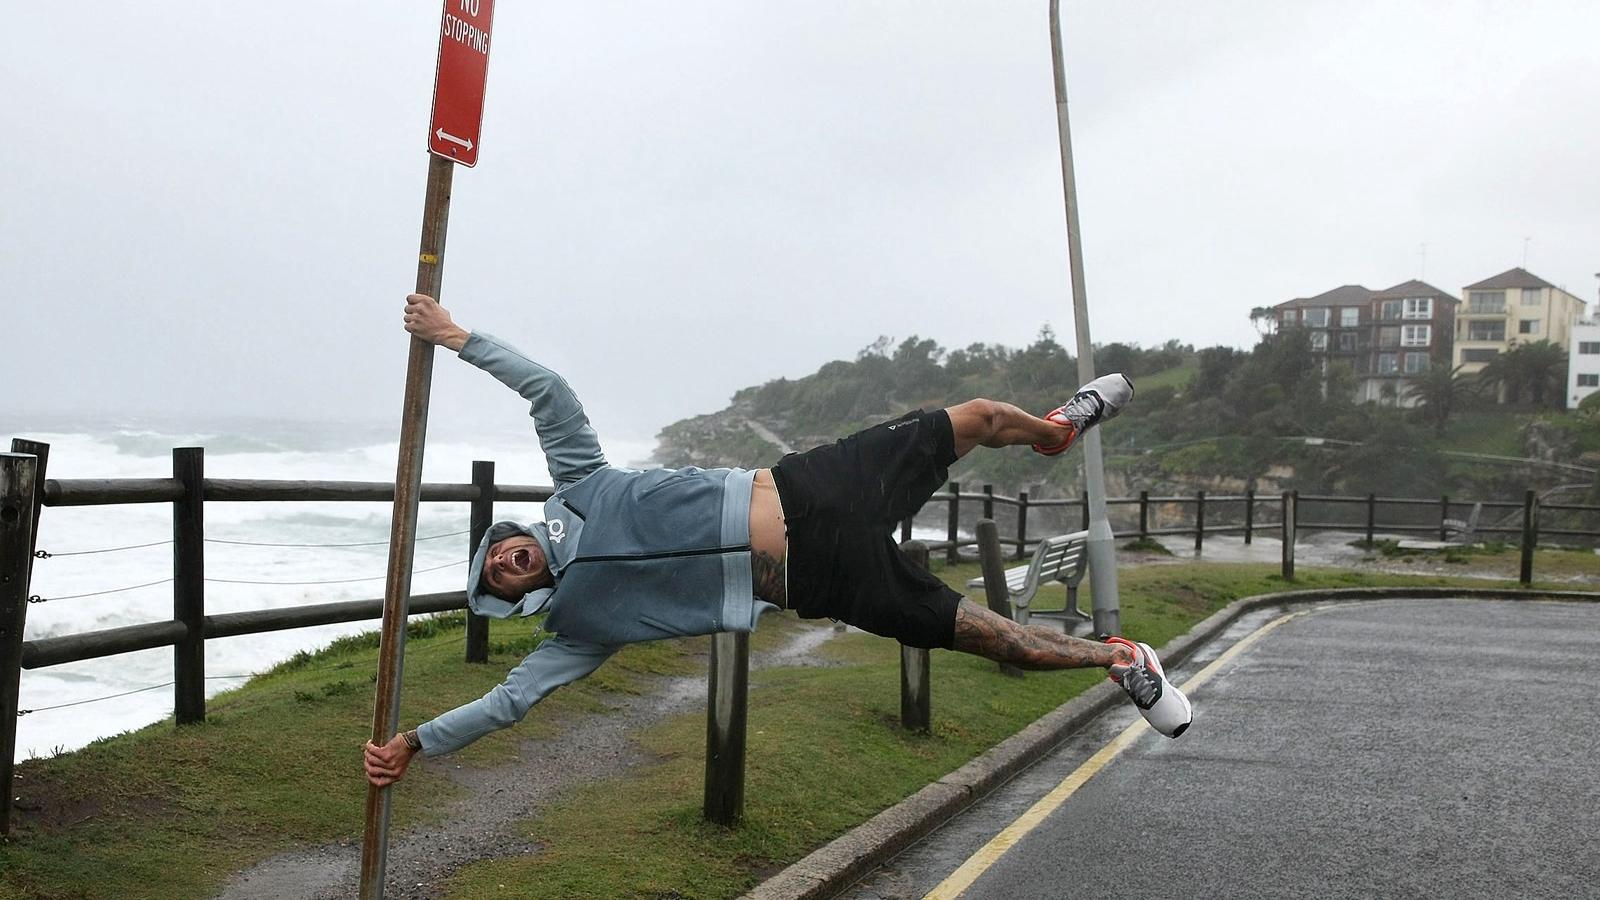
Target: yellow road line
[(990, 853)]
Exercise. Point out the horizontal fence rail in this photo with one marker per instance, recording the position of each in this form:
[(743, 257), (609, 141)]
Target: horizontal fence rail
[(1209, 514), (109, 492)]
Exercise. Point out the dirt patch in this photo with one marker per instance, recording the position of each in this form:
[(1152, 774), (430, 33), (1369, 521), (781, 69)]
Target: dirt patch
[(481, 824), (47, 806)]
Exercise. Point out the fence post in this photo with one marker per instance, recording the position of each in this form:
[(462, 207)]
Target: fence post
[(189, 585), (994, 580), (1084, 504), (1022, 524), (1444, 513), (728, 696), (916, 676), (988, 501), (482, 518), (1290, 502), (955, 519), (41, 451), (1144, 514), (1372, 519), (1199, 520), (18, 508), (1530, 535), (905, 529), (1249, 514)]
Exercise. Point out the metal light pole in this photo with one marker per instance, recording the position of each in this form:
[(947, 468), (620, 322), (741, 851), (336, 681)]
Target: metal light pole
[(1100, 548)]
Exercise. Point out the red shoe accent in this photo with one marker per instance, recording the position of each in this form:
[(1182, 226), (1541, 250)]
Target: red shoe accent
[(1055, 449), (1131, 646)]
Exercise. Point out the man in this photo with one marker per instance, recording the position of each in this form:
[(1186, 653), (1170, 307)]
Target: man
[(626, 556)]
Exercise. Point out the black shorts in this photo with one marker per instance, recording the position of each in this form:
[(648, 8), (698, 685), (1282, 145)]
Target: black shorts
[(842, 503)]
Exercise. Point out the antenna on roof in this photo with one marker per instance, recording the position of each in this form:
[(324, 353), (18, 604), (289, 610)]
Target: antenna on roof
[(1525, 251)]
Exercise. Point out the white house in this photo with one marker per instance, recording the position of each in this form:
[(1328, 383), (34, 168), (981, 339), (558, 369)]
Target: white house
[(1583, 361)]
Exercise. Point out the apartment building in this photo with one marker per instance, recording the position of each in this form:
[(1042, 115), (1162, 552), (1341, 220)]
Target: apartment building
[(1413, 328), (1583, 361), (1385, 337), (1339, 322), (1514, 306)]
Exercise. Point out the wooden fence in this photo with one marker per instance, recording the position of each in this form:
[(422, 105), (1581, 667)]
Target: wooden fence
[(1242, 514), (25, 491)]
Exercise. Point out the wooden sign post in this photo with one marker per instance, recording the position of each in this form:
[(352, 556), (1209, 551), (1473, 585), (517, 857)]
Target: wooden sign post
[(453, 133)]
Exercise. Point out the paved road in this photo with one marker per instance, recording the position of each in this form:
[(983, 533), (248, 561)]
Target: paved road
[(1424, 748)]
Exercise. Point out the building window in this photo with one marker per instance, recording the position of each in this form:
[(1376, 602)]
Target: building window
[(1486, 302), (1390, 310), (1588, 348), (1479, 355), (1347, 340), (1530, 296), (1319, 340), (1288, 317), (1591, 379), (1316, 317), (1486, 331), (1388, 364), (1388, 337), (1419, 308), (1415, 335), (1528, 326), (1350, 317), (1416, 362)]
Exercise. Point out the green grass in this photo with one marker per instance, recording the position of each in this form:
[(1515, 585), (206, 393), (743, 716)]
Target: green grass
[(1177, 377), (1496, 558), (1495, 431), (167, 812)]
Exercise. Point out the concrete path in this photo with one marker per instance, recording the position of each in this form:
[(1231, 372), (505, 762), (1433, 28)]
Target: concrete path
[(1411, 748)]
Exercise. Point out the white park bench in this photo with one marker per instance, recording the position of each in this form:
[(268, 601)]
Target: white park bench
[(1059, 559)]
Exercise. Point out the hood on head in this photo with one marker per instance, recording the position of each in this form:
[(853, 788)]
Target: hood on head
[(486, 604)]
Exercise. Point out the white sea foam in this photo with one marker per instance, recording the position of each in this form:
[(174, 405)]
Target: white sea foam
[(284, 450)]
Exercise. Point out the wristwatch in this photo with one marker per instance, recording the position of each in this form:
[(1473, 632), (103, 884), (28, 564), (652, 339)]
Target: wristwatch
[(412, 741)]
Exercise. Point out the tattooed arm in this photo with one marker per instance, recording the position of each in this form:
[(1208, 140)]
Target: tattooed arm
[(986, 633), (768, 577)]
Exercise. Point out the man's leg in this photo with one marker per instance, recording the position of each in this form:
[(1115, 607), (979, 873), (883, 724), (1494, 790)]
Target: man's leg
[(988, 634), (992, 423)]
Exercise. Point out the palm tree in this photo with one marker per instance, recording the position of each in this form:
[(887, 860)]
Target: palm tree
[(1544, 367), (1264, 318), (1539, 368), (1437, 392), (1502, 377)]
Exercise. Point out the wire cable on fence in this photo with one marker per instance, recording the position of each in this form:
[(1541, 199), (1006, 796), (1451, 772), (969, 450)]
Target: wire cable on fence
[(447, 644), (132, 587), (44, 554), (41, 554), (38, 599), (334, 580)]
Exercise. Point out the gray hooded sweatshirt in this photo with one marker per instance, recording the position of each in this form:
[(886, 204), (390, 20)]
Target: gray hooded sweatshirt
[(636, 555)]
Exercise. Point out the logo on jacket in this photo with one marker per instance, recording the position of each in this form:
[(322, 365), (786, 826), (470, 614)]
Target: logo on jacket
[(558, 530)]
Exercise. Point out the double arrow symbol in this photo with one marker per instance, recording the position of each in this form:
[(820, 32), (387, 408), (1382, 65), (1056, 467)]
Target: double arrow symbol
[(443, 135)]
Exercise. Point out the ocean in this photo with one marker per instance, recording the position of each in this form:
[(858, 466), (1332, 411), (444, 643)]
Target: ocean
[(110, 565)]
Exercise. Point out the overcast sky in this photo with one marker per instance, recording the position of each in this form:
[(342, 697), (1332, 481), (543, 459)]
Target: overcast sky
[(215, 207)]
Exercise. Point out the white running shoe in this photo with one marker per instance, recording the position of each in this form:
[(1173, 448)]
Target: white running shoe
[(1159, 700), (1095, 402)]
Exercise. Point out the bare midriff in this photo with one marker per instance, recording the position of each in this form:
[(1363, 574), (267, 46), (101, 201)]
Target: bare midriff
[(767, 532)]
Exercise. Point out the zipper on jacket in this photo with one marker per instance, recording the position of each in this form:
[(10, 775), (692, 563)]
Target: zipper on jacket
[(667, 554)]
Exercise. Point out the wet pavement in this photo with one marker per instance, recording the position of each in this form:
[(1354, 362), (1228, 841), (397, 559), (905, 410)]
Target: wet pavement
[(1408, 748)]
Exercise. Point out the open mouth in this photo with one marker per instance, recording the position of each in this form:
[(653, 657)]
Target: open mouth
[(521, 561)]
